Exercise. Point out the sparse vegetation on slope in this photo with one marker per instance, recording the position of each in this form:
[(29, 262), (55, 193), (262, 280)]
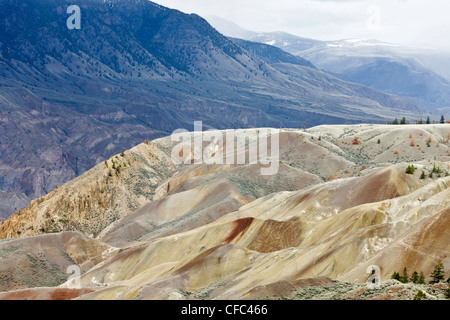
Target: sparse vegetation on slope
[(93, 201), (226, 232)]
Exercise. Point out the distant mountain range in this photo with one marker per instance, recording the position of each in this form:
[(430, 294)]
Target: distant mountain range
[(385, 67), (422, 75), (288, 42), (136, 71), (271, 54)]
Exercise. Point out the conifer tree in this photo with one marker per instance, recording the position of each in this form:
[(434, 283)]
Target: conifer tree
[(422, 176), (404, 277), (414, 277), (421, 279), (438, 274), (396, 276)]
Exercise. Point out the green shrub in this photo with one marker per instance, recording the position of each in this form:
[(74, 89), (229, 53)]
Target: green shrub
[(447, 293), (436, 169), (420, 295), (410, 169)]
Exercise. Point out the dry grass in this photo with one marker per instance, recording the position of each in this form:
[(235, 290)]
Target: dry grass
[(356, 141)]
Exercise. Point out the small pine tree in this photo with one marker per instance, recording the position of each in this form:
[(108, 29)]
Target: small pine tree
[(438, 274), (396, 276), (421, 279), (428, 120), (403, 121), (422, 176), (395, 121), (442, 120), (414, 277), (436, 169), (404, 277)]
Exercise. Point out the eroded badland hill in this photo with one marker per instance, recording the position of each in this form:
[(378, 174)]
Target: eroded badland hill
[(140, 226)]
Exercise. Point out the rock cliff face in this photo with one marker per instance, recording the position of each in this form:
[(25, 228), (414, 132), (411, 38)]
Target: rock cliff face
[(70, 99), (341, 202)]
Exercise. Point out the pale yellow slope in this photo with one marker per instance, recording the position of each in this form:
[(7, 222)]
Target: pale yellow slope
[(261, 251), (92, 201)]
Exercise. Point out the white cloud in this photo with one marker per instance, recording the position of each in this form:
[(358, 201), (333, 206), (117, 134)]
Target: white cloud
[(414, 22)]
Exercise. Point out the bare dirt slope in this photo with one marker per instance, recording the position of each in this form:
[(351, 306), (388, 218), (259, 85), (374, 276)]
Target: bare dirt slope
[(44, 260), (342, 201)]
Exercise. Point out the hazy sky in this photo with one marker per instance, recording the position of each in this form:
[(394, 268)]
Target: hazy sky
[(413, 22)]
